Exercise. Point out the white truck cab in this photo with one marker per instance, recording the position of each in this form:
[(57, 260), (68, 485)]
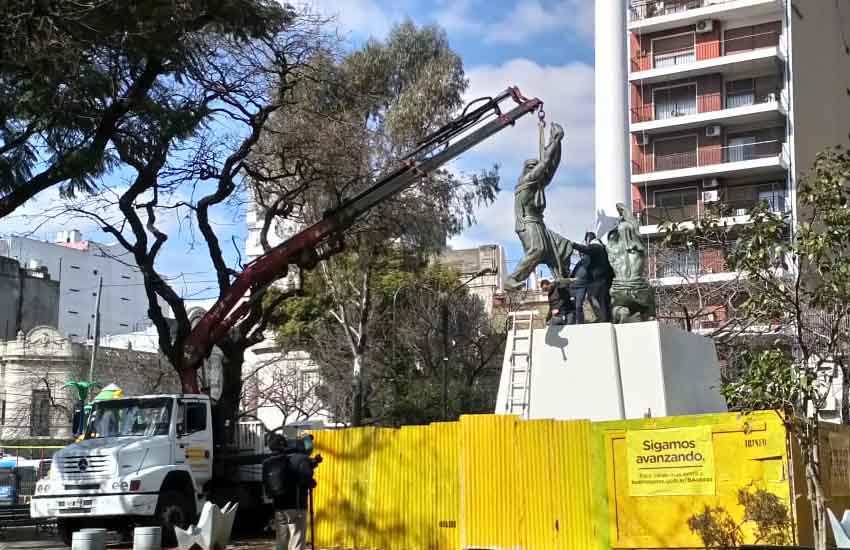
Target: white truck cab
[(143, 460)]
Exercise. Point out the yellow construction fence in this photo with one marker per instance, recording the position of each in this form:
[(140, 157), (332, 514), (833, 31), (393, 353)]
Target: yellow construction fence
[(496, 482)]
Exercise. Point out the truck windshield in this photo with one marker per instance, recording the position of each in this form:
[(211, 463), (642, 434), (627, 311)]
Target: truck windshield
[(129, 417)]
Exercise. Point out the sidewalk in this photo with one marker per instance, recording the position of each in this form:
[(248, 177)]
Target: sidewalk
[(26, 538)]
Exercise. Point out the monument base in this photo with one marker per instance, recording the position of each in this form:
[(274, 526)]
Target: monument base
[(603, 371)]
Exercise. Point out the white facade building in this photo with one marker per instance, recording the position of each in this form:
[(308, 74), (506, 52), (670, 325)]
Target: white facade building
[(280, 387), (34, 405), (78, 265)]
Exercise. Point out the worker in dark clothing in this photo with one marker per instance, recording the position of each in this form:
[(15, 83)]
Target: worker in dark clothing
[(596, 284), (288, 478), (580, 277), (560, 303)]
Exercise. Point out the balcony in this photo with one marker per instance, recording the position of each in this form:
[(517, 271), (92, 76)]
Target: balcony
[(760, 50), (657, 15), (750, 158), (732, 211), (686, 265), (709, 109)]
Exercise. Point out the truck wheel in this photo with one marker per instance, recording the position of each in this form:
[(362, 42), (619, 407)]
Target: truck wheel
[(173, 510), (66, 528)]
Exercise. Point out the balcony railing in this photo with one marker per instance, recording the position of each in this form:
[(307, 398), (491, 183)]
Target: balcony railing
[(687, 263), (706, 50), (645, 10), (665, 110), (749, 97), (704, 156), (656, 215)]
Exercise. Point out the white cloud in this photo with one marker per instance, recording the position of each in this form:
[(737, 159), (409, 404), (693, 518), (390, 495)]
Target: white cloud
[(567, 93), (527, 19), (361, 17)]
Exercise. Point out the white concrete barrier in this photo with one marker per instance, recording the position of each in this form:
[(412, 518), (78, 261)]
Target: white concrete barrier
[(89, 539), (147, 538)]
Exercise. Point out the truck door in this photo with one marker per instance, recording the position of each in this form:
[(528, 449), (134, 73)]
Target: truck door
[(194, 439)]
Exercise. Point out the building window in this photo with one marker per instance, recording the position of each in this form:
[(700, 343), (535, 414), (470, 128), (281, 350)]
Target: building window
[(123, 325), (72, 312), (73, 290), (3, 411), (675, 153), (676, 101), (676, 50), (309, 380), (774, 198), (40, 413), (123, 299), (125, 277), (75, 267)]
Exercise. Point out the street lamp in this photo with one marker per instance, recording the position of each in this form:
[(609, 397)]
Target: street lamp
[(442, 296)]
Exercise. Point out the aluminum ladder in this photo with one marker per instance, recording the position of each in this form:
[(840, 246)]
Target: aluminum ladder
[(519, 382)]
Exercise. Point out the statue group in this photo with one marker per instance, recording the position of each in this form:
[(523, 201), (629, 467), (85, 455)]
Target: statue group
[(613, 276)]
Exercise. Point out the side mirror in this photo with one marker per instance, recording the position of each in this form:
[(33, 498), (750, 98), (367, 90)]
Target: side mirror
[(181, 429)]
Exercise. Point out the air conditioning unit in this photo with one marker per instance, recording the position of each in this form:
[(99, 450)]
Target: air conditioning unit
[(710, 196), (710, 183), (642, 139), (713, 131), (704, 26)]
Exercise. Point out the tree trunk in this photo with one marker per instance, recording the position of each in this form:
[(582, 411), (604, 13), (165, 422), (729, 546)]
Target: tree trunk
[(189, 380), (811, 454), (231, 391), (357, 390), (845, 393)]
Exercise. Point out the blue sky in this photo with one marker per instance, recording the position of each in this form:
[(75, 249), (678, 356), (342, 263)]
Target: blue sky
[(543, 46)]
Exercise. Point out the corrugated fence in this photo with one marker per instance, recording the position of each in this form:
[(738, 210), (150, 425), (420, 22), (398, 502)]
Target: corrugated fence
[(485, 482), (493, 482)]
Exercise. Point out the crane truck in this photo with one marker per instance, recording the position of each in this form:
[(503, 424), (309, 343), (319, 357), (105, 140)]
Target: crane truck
[(156, 459)]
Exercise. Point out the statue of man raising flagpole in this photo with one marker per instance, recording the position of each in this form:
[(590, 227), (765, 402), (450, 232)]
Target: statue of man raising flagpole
[(540, 245)]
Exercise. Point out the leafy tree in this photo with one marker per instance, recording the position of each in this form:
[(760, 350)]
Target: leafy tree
[(372, 106), (411, 350), (798, 292), (769, 516), (78, 78)]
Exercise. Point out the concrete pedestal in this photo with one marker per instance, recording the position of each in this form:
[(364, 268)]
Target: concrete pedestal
[(606, 372)]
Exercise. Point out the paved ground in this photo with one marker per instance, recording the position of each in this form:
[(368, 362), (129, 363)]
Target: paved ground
[(27, 538)]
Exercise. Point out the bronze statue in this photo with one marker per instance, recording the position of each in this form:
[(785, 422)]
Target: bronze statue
[(632, 299), (539, 244)]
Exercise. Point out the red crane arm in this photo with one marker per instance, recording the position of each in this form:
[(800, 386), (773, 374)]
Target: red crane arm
[(432, 153)]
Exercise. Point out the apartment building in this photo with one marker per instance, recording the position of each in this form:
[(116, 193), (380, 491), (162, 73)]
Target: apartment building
[(729, 102), (78, 265)]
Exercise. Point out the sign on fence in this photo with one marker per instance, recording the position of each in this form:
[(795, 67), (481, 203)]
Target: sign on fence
[(675, 461)]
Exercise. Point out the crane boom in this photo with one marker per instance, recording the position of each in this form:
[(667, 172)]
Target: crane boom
[(434, 151)]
